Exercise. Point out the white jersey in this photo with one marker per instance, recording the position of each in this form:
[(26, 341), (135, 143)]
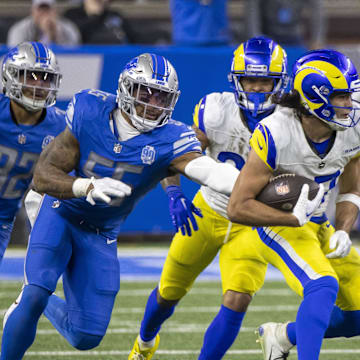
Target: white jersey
[(280, 141), (219, 117)]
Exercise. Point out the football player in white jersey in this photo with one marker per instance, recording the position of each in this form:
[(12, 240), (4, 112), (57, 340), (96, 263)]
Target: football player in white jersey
[(223, 124), (313, 135)]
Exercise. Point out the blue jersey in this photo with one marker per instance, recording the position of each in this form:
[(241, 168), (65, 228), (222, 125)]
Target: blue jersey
[(140, 162), (20, 147)]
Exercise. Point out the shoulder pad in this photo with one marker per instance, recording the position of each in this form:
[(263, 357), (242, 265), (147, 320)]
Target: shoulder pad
[(209, 112)]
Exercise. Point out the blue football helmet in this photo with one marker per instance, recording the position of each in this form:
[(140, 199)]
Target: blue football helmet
[(148, 91), (319, 74), (26, 63), (258, 57)]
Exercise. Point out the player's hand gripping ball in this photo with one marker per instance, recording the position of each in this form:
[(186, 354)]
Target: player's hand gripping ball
[(282, 192)]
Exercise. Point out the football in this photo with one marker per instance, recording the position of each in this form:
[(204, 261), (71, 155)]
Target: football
[(283, 191)]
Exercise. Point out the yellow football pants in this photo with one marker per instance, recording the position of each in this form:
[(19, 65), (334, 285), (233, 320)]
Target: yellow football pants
[(242, 267), (299, 253)]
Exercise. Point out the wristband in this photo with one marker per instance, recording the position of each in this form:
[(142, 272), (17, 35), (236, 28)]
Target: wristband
[(355, 199), (172, 188), (80, 186)]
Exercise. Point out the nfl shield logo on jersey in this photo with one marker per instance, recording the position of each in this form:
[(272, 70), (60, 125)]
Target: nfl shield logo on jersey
[(47, 140), (22, 139), (148, 155)]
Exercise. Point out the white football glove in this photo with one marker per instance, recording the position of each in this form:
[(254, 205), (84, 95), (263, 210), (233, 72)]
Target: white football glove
[(340, 241), (304, 207), (105, 188)]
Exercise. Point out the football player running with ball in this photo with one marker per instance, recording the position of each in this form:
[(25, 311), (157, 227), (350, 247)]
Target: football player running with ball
[(115, 149), (28, 123), (312, 135), (223, 124)]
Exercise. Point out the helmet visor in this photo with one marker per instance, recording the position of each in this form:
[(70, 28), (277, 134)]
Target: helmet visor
[(157, 98)]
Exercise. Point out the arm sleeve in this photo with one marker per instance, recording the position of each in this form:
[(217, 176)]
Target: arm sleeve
[(218, 176)]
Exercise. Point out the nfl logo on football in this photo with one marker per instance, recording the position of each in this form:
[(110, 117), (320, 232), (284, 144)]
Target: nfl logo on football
[(282, 188)]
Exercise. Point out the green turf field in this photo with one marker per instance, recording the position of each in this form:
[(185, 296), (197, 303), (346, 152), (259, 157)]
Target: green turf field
[(181, 336)]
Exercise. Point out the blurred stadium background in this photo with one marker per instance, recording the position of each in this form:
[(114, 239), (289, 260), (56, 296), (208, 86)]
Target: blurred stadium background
[(201, 70)]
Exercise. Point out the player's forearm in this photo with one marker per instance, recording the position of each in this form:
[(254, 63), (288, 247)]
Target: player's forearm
[(253, 213), (346, 215), (53, 181), (170, 181)]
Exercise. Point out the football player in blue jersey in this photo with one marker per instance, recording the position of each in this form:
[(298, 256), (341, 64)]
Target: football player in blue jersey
[(223, 123), (314, 134), (28, 122), (113, 151)]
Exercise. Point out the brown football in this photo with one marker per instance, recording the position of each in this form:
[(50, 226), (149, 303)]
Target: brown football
[(283, 191)]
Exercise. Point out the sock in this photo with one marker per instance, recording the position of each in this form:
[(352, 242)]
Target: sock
[(56, 312), (146, 344), (313, 316), (20, 329), (221, 333), (343, 323), (291, 332), (154, 317)]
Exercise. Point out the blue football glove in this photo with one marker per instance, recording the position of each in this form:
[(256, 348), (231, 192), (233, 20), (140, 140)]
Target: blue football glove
[(182, 210)]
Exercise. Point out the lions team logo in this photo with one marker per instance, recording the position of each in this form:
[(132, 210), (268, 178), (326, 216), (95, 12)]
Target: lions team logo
[(132, 65), (47, 140), (148, 155), (282, 188)]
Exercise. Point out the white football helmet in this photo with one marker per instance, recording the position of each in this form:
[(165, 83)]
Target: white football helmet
[(148, 91), (31, 75)]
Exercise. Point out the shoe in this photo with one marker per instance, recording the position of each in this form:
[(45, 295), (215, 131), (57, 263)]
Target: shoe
[(274, 342), (146, 354)]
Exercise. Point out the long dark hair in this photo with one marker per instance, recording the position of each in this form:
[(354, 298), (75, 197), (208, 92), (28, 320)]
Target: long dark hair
[(291, 100)]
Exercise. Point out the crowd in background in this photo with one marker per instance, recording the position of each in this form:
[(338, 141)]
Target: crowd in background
[(193, 23)]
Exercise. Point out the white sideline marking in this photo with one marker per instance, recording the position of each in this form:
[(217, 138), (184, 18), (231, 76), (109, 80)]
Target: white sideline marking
[(210, 309), (146, 292), (133, 328), (171, 352), (209, 291), (203, 309)]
